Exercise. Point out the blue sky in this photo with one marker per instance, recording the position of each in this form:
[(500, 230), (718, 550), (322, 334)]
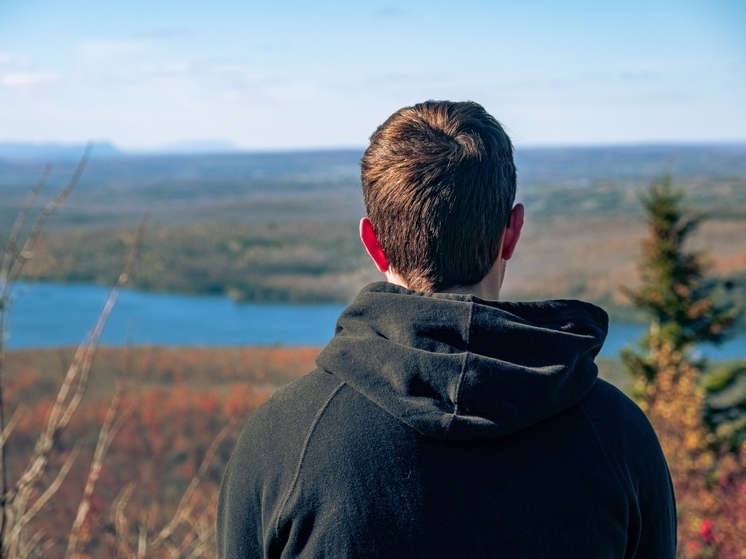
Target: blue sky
[(314, 74)]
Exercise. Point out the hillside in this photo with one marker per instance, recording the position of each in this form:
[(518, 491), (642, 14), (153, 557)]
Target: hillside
[(282, 226)]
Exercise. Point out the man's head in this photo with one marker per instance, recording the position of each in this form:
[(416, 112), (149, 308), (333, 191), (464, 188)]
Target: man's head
[(439, 184)]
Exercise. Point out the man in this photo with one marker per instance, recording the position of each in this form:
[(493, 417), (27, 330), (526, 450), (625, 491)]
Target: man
[(441, 422)]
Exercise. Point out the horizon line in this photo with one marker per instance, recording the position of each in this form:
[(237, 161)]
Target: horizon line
[(175, 150)]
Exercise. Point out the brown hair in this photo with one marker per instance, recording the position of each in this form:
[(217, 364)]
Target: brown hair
[(438, 184)]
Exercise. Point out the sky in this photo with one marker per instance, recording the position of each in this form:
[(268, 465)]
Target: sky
[(299, 74)]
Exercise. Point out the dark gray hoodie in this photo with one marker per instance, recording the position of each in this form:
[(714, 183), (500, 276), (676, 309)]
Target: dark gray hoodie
[(441, 425)]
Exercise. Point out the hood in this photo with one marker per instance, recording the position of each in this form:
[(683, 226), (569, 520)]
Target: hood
[(457, 367)]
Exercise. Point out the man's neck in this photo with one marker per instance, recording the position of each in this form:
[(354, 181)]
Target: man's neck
[(487, 289)]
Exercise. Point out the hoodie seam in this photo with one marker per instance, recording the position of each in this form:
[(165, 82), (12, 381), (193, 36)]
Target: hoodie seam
[(303, 451), (462, 374)]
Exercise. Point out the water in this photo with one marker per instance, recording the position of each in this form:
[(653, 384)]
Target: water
[(49, 315)]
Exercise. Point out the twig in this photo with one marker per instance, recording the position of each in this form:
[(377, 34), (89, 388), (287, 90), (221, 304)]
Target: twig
[(33, 236), (109, 429), (29, 547), (9, 427), (15, 534), (142, 542), (204, 529), (10, 249), (120, 521), (9, 270), (61, 411), (53, 487), (185, 505), (10, 246), (86, 356)]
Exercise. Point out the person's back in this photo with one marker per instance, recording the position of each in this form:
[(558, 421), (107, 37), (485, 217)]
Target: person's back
[(441, 422)]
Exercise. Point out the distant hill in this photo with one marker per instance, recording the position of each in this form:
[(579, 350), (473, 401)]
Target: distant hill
[(50, 152), (635, 162), (536, 165), (195, 147), (324, 185), (281, 226)]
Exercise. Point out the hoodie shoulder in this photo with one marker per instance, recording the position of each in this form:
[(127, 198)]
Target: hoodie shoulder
[(630, 446), (260, 471), (616, 418)]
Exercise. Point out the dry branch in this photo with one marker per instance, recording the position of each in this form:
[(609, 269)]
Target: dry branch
[(186, 505), (111, 425), (17, 506), (33, 236), (9, 427), (11, 266), (10, 246), (62, 410), (189, 533), (119, 522)]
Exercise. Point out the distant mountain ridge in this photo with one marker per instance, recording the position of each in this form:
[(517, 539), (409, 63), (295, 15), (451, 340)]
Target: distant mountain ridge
[(541, 165), (536, 165), (282, 226), (53, 152)]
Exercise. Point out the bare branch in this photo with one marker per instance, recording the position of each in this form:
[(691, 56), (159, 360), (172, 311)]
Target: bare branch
[(77, 374), (186, 505), (84, 364), (42, 500), (109, 429), (121, 528), (29, 547), (9, 427), (33, 236), (204, 530), (142, 542), (10, 246), (10, 251)]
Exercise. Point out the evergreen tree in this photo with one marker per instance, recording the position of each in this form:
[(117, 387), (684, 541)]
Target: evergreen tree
[(685, 306)]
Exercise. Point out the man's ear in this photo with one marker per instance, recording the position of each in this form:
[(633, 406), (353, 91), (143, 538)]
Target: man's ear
[(368, 236), (512, 231)]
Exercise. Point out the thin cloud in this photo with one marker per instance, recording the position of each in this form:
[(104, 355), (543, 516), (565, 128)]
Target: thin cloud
[(103, 50), (28, 79), (7, 59)]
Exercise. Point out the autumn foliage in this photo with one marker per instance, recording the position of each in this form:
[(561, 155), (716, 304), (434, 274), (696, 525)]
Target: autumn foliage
[(709, 480), (686, 307), (173, 416)]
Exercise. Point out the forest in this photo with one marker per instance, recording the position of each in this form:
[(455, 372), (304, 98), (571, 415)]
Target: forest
[(282, 227)]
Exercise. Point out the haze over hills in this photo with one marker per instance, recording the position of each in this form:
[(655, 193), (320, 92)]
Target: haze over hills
[(324, 185), (281, 226), (53, 152), (536, 164)]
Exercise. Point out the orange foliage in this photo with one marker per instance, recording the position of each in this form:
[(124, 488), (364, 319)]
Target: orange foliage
[(710, 483), (191, 393), (161, 445)]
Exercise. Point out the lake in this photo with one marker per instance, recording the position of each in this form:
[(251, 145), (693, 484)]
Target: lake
[(49, 315)]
